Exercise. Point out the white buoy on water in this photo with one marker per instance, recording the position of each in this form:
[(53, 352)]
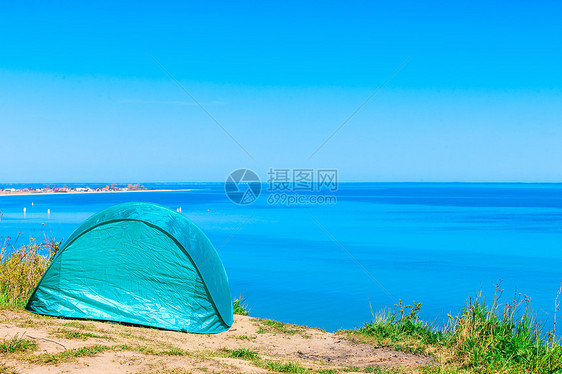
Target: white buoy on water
[(32, 204), (24, 212), (48, 212)]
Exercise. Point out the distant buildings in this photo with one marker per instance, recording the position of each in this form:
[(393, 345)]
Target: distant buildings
[(66, 189)]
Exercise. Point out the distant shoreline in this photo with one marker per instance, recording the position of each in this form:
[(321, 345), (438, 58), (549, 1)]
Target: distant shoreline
[(22, 193)]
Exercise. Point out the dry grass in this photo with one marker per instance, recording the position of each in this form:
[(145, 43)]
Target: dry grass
[(494, 338), (21, 269)]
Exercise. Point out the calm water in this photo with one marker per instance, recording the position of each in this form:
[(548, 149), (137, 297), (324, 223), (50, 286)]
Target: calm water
[(434, 243)]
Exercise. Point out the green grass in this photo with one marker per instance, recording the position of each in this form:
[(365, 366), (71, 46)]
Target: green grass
[(5, 369), (68, 355), (483, 339), (245, 337), (277, 366), (173, 351), (78, 325), (500, 340), (28, 322), (401, 330), (373, 369), (285, 367), (165, 370), (254, 358), (78, 335), (21, 270), (239, 306), (242, 353), (268, 325), (17, 344), (163, 351)]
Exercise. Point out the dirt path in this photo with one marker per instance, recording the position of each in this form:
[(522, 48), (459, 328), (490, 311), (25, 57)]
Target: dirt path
[(250, 346)]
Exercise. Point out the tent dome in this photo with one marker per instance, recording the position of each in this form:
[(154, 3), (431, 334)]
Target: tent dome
[(138, 263)]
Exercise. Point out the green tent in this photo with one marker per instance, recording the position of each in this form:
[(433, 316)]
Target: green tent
[(138, 263)]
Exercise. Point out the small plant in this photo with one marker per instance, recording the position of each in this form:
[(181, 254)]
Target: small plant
[(239, 306), (278, 327), (74, 334), (173, 351), (148, 350), (17, 344), (78, 325), (5, 369), (22, 268), (379, 370), (71, 354), (243, 353), (285, 367), (282, 367), (491, 338), (401, 329), (245, 337), (495, 337), (408, 313), (29, 323)]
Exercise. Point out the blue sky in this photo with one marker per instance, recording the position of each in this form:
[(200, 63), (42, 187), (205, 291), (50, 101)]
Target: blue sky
[(479, 99)]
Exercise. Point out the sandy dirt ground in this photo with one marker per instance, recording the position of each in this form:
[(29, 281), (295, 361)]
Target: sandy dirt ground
[(250, 346)]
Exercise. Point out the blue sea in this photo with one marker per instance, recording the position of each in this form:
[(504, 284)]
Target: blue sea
[(329, 265)]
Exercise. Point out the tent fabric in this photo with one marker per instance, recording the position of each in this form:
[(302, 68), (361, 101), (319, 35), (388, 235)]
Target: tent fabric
[(138, 263)]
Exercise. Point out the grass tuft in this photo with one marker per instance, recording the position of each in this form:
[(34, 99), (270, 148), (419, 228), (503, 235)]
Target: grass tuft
[(78, 335), (279, 327), (280, 367), (245, 337), (5, 369), (243, 353), (17, 344), (174, 351), (285, 367), (145, 349), (78, 325), (402, 330), (239, 306), (498, 338), (376, 370), (68, 355), (22, 268)]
